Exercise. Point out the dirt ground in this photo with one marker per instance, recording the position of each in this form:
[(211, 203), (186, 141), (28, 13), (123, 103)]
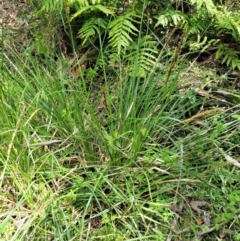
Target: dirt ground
[(14, 19)]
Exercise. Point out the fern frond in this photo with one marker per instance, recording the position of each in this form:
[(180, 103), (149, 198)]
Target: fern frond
[(121, 29), (52, 5), (91, 8), (208, 4), (91, 27), (199, 22), (83, 3), (170, 16), (229, 56), (143, 56), (227, 21)]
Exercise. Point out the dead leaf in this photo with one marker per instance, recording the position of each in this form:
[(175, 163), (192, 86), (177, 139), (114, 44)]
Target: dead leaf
[(222, 235), (174, 208), (196, 204), (199, 221), (20, 222)]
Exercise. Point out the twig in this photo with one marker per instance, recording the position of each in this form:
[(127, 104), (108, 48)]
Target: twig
[(200, 235), (229, 158), (45, 143)]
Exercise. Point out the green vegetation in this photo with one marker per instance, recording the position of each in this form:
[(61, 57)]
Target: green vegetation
[(120, 121)]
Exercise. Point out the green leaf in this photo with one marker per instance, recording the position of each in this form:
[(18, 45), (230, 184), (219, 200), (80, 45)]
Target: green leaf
[(92, 8), (169, 16), (121, 29), (236, 116), (104, 10), (90, 28)]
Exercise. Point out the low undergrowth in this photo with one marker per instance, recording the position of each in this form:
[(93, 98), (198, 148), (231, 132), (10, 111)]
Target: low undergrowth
[(108, 154)]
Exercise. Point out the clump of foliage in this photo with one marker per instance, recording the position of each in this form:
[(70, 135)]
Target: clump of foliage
[(118, 26), (112, 26), (211, 28)]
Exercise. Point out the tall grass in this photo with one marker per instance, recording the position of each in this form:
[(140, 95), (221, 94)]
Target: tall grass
[(101, 158), (72, 166)]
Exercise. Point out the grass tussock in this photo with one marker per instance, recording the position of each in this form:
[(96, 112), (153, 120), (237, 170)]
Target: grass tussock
[(111, 155)]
